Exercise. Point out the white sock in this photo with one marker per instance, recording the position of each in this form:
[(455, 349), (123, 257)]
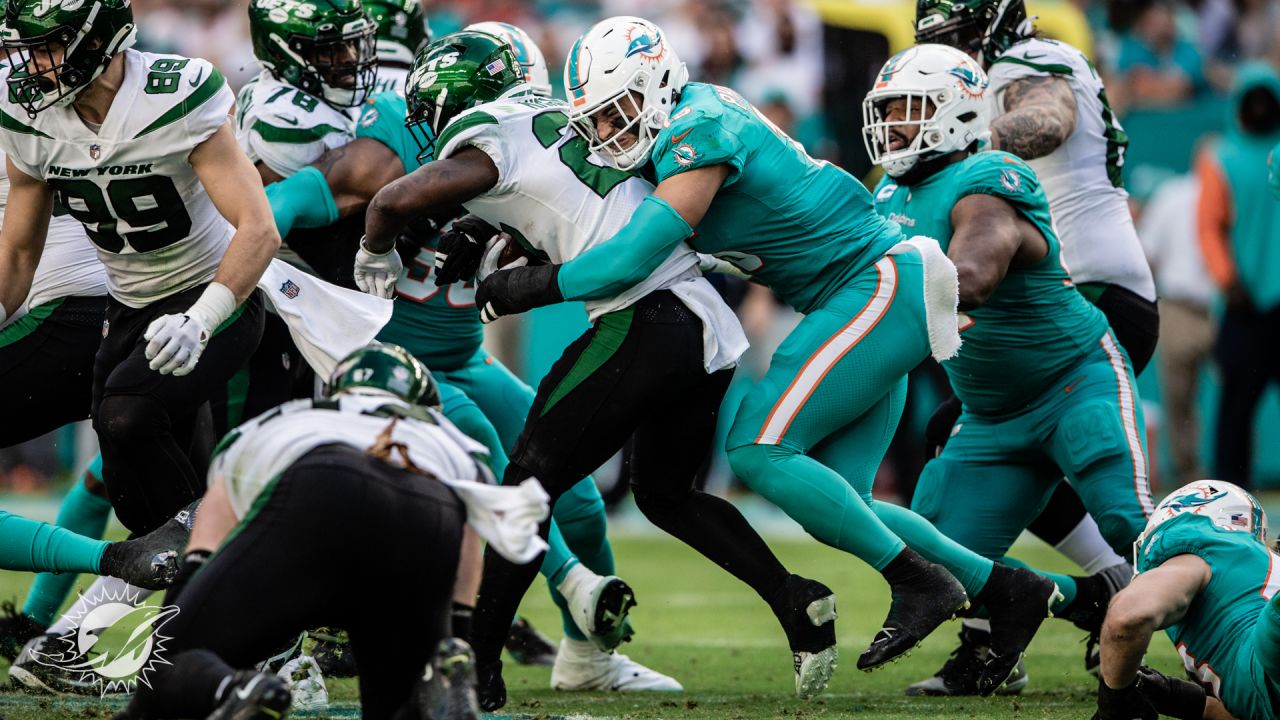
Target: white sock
[(102, 586), (977, 624), (579, 576), (1086, 547)]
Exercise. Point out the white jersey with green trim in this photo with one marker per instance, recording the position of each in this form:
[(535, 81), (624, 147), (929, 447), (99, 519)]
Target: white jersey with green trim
[(552, 195), (286, 129), (68, 266), (130, 183), (1082, 177)]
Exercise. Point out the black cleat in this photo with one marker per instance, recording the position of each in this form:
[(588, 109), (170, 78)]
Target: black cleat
[(1018, 601), (959, 674), (528, 646), (332, 653), (150, 561), (1093, 595), (491, 691), (925, 595), (447, 690), (807, 611), (253, 696), (16, 629)]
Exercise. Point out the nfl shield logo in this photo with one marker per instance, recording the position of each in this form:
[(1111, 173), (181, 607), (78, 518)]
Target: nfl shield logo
[(290, 290), (95, 151)]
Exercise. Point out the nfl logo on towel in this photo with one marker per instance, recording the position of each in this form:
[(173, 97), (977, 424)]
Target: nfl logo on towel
[(290, 290), (496, 66)]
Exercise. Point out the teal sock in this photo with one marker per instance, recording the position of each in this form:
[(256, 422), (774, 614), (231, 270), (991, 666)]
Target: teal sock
[(1066, 583), (970, 568), (818, 498), (83, 513), (33, 546)]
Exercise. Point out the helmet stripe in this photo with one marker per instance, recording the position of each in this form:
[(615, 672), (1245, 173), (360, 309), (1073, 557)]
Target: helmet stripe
[(575, 83)]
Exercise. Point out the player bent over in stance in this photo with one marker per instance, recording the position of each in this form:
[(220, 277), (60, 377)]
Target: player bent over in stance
[(819, 422), (1207, 577), (655, 363), (138, 148), (1072, 407), (380, 463)]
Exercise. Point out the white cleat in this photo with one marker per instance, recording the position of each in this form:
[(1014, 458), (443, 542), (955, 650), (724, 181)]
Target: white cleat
[(580, 666), (599, 605), (306, 684)]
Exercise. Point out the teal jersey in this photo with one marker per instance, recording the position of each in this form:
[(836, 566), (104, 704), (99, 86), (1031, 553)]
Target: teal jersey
[(1035, 326), (1216, 636), (801, 226), (439, 325)]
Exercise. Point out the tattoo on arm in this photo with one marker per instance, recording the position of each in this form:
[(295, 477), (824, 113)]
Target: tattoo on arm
[(1040, 114), (329, 159)]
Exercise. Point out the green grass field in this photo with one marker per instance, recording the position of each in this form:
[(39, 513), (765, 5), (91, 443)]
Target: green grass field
[(697, 623)]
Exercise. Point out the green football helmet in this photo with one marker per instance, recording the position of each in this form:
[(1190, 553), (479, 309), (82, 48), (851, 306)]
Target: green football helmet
[(58, 47), (402, 29), (981, 28), (456, 73), (386, 369), (323, 47)]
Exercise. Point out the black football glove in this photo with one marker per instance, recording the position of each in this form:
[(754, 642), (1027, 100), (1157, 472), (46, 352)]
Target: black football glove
[(1124, 704), (1174, 697), (459, 250), (508, 292)]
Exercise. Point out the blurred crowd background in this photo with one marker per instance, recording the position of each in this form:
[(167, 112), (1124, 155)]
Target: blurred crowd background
[(1169, 68)]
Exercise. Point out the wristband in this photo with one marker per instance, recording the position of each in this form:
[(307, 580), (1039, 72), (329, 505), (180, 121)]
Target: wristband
[(215, 305)]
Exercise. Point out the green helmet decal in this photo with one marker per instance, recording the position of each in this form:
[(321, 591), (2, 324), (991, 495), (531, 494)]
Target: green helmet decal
[(322, 47), (402, 29), (58, 47), (454, 74), (983, 28), (389, 369)]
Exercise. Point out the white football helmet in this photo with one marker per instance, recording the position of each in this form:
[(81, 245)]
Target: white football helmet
[(927, 76), (1228, 506), (526, 50), (615, 58)]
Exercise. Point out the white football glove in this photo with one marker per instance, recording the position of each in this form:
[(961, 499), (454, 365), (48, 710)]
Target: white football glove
[(711, 263), (489, 263), (175, 342), (377, 274)]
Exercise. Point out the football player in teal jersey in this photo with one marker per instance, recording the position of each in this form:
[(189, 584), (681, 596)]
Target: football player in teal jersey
[(1070, 407), (439, 325), (1207, 577), (818, 423)]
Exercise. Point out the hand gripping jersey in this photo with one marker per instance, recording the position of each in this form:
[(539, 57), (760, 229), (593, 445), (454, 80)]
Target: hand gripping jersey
[(552, 196), (1216, 638), (800, 226), (438, 325), (1082, 176), (1035, 326), (131, 184), (285, 128), (251, 457), (68, 266)]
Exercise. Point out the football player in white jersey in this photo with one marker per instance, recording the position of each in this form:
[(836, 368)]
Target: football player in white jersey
[(509, 157), (380, 463), (402, 33), (1052, 111), (139, 149)]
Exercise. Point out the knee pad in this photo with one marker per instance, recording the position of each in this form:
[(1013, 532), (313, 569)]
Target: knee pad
[(1089, 434), (129, 418)]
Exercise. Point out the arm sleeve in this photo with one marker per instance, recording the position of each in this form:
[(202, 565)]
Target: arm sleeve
[(629, 256), (1213, 220), (302, 200)]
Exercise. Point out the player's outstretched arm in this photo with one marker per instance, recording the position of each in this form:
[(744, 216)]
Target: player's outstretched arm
[(1040, 114), (22, 239), (438, 185), (1154, 600), (338, 184), (659, 224), (232, 184), (986, 239)]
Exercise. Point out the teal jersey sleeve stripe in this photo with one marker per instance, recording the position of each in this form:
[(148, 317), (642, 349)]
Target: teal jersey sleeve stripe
[(12, 124), (207, 89), (466, 122), (294, 136)]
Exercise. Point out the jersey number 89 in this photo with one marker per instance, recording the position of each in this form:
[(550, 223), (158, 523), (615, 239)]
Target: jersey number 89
[(150, 204)]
